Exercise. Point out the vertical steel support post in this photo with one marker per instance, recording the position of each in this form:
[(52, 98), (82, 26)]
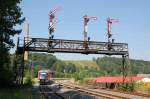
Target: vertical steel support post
[(123, 68)]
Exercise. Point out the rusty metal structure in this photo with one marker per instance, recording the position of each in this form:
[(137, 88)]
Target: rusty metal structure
[(18, 68), (68, 46), (51, 45), (75, 46)]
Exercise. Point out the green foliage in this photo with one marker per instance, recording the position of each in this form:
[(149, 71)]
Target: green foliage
[(17, 94), (10, 13), (70, 68), (77, 76), (147, 89), (10, 17), (83, 69), (85, 80), (59, 66), (127, 86), (113, 66), (86, 74), (5, 67), (140, 66), (28, 79), (82, 64), (42, 59), (135, 86), (35, 71), (143, 88)]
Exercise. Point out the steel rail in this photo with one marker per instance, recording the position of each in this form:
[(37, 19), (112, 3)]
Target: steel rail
[(102, 94), (93, 93), (46, 92)]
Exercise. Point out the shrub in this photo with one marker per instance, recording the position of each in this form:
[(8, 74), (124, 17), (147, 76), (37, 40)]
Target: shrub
[(147, 89), (127, 86), (28, 80)]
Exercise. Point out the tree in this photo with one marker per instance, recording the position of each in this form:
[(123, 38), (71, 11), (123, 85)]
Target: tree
[(42, 59), (50, 60), (70, 68), (59, 66), (10, 17)]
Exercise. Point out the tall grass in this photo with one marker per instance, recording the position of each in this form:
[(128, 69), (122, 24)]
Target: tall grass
[(16, 94), (143, 88)]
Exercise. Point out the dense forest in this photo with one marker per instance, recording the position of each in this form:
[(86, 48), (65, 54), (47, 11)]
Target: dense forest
[(101, 66), (10, 20)]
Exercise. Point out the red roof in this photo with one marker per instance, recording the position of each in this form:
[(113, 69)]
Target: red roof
[(117, 79)]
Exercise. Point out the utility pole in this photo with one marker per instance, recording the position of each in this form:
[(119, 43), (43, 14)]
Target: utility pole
[(26, 38)]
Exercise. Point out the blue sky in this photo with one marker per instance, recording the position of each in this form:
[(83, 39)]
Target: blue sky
[(133, 27)]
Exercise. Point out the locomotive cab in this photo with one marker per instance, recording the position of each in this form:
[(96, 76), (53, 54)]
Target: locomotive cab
[(44, 77)]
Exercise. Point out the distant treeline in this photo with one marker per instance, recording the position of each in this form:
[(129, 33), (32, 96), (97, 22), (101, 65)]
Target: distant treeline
[(113, 65), (84, 69)]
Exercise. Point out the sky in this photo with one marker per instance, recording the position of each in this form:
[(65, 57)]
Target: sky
[(133, 26)]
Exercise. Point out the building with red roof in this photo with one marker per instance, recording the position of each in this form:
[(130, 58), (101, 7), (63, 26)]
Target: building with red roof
[(116, 79)]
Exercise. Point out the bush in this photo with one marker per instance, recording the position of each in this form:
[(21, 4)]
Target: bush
[(127, 86), (15, 93), (28, 80), (84, 81), (147, 89), (5, 78)]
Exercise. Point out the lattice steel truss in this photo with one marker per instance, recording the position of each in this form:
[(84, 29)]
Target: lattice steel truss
[(72, 46), (76, 46)]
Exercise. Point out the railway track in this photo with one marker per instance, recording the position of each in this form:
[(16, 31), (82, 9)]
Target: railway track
[(133, 93), (91, 92), (48, 93), (103, 93)]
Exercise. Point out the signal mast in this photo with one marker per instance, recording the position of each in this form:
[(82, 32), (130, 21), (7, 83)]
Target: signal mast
[(109, 27), (52, 21), (86, 20)]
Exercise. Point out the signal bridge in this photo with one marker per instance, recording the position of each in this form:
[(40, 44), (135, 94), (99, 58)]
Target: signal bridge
[(74, 46), (67, 46)]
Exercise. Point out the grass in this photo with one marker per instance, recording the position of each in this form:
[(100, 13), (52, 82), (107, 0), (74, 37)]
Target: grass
[(26, 93), (83, 63), (141, 87)]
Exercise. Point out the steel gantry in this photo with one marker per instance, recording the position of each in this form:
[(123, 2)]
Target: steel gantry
[(75, 46), (69, 46), (52, 45)]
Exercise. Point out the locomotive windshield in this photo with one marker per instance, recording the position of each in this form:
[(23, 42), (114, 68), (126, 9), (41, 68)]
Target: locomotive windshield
[(42, 75)]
